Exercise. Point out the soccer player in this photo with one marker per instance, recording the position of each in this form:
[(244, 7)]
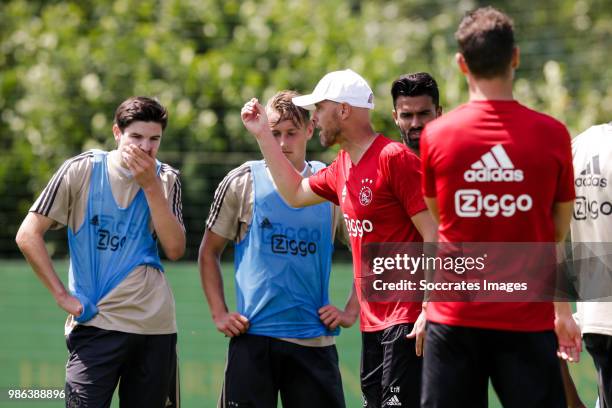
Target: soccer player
[(592, 226), (282, 336), (117, 206), (513, 344), (416, 102), (376, 182)]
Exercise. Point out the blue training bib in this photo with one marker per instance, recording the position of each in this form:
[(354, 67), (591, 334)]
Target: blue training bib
[(283, 264), (110, 243)]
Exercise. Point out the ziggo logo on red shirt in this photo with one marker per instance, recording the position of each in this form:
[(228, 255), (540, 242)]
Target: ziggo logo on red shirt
[(357, 228), (471, 203)]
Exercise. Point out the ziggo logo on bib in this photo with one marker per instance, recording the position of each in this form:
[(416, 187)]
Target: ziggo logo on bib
[(471, 203), (357, 228)]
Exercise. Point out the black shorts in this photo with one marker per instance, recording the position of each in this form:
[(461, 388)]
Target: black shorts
[(144, 366), (459, 361), (390, 368), (600, 348), (259, 367)]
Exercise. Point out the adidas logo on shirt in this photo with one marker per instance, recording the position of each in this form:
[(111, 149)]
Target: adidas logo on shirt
[(495, 166), (394, 402), (266, 223), (591, 175)]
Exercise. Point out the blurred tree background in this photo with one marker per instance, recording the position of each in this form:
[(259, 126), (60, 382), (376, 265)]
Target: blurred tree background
[(66, 65)]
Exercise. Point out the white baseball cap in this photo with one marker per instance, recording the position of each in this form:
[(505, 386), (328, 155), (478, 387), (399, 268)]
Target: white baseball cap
[(339, 86)]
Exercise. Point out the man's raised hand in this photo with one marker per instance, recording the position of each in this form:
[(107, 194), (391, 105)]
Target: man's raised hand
[(254, 118)]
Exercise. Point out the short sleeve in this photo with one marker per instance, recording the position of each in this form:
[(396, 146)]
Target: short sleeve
[(323, 183), (171, 182), (404, 169), (231, 198), (176, 201), (60, 197), (565, 182)]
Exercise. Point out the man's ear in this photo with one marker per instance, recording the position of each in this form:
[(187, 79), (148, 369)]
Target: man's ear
[(309, 129), (394, 114), (345, 110), (438, 111), (516, 57), (117, 133), (461, 63)]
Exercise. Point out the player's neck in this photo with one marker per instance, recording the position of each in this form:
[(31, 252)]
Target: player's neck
[(495, 89), (119, 173), (115, 159), (359, 142), (299, 165)]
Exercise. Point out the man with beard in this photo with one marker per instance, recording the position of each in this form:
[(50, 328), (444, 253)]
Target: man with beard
[(416, 102), (376, 183)]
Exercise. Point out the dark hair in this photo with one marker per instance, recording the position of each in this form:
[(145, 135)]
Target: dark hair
[(286, 109), (416, 84), (140, 108), (486, 39)]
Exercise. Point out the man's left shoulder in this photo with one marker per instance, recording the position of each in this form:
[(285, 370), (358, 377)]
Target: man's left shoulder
[(166, 168), (168, 173), (542, 120)]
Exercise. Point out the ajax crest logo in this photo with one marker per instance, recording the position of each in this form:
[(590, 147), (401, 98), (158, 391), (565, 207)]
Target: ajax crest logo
[(365, 194)]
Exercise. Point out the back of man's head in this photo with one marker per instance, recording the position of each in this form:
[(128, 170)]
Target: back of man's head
[(416, 84), (282, 104), (140, 108), (486, 40)]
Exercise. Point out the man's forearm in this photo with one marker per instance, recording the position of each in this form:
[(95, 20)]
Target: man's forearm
[(286, 177), (352, 303), (30, 239), (212, 283), (34, 250), (167, 227), (563, 309)]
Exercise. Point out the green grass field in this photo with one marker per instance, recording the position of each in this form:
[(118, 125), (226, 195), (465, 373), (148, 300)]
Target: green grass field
[(33, 351)]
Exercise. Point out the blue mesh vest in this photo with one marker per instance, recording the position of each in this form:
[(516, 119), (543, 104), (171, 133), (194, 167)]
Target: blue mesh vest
[(110, 243), (283, 263)]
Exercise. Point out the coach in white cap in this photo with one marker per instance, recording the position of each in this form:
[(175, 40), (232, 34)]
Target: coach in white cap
[(376, 183), (339, 86), (341, 102)]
